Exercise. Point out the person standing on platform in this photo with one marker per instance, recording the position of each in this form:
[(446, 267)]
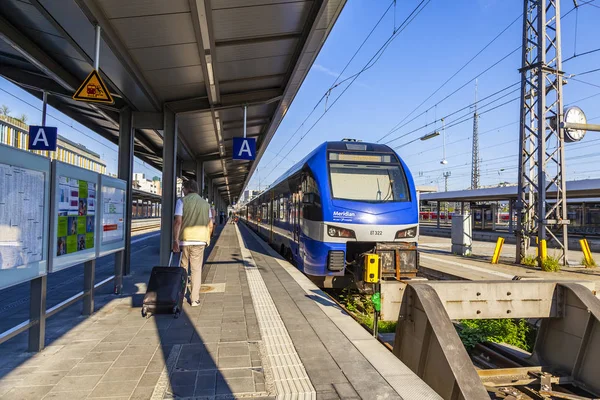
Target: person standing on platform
[(213, 218), (221, 217), (191, 230)]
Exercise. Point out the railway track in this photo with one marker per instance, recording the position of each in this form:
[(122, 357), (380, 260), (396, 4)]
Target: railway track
[(141, 225), (145, 227)]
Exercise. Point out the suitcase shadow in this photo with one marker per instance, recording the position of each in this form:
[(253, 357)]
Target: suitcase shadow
[(188, 349)]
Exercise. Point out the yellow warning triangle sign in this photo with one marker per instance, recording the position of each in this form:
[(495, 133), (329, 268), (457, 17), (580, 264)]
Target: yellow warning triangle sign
[(94, 90)]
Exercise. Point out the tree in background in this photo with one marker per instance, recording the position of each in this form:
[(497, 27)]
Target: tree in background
[(23, 118), (4, 110)]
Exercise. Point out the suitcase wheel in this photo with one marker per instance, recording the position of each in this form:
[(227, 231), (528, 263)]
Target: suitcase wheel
[(176, 312)]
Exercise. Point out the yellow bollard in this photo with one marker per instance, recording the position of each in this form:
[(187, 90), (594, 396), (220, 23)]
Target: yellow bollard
[(497, 250), (587, 254), (543, 250)]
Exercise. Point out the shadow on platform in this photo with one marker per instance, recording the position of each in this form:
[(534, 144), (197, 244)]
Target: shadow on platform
[(116, 352)]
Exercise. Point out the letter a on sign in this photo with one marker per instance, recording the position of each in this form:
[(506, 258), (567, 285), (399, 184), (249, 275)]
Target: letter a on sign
[(93, 90), (42, 138), (244, 148)]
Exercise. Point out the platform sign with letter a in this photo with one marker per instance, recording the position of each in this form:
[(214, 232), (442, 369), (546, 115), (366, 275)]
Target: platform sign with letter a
[(244, 148), (42, 138), (93, 90)]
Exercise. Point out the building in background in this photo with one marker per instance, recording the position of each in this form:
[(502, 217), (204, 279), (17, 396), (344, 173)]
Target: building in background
[(248, 195), (150, 186), (14, 132)]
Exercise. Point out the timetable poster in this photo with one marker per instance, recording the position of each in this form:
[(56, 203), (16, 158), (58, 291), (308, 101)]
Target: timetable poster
[(76, 215), (21, 216)]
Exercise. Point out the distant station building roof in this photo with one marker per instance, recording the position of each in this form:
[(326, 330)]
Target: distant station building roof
[(575, 189), (204, 60)]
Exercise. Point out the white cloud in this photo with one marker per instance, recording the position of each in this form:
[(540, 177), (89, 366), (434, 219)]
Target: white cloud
[(335, 74), (326, 70)]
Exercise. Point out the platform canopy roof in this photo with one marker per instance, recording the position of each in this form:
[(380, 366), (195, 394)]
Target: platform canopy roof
[(586, 188), (204, 59)]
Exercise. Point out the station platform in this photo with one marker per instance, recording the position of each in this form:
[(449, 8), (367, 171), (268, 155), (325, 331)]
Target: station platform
[(263, 330), (437, 262)]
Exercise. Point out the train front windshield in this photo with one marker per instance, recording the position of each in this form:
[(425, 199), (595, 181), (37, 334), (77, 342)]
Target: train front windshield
[(369, 182)]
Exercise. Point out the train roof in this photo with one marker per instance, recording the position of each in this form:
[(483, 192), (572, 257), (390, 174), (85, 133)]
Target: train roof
[(343, 145)]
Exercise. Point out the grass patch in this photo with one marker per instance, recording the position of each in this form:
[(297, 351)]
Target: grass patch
[(549, 264), (529, 260), (514, 332), (590, 264), (382, 326), (361, 307)]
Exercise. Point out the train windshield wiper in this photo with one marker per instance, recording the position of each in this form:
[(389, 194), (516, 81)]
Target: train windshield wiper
[(378, 195)]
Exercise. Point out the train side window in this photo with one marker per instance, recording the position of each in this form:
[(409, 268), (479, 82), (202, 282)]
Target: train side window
[(311, 199)]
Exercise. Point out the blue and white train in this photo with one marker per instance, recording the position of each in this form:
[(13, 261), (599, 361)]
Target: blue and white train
[(342, 201)]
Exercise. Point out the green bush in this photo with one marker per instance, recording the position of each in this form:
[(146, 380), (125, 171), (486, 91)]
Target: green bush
[(514, 332)]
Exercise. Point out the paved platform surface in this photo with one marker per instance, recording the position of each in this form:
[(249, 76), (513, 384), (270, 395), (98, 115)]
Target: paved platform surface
[(436, 254), (262, 331)]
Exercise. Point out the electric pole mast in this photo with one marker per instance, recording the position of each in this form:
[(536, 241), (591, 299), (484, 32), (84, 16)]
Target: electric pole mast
[(541, 145), (446, 176), (475, 160)]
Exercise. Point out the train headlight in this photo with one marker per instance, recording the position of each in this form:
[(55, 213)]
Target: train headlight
[(406, 233), (334, 231)]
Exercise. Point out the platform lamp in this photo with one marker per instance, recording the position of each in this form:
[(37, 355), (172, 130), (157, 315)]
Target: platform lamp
[(444, 161)]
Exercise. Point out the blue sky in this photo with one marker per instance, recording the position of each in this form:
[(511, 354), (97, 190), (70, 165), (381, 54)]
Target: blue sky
[(443, 37), (436, 45)]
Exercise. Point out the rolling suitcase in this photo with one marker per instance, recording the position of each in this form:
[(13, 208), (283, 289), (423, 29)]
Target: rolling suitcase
[(165, 291)]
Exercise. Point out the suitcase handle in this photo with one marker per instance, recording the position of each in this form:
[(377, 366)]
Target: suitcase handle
[(171, 259)]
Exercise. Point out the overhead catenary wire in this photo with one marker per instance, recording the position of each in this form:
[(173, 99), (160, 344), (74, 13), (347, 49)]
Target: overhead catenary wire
[(335, 84), (457, 111), (415, 12), (452, 77), (506, 125), (401, 124)]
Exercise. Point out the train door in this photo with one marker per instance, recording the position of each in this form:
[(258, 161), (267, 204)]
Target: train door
[(295, 217), (271, 217)]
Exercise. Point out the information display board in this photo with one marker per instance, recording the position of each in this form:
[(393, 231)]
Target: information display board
[(24, 215), (112, 218), (73, 216)]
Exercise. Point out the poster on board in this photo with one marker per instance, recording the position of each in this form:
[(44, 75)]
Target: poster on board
[(22, 196), (24, 215), (76, 215), (113, 216)]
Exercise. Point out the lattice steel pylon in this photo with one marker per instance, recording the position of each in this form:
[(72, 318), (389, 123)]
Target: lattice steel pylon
[(475, 152), (541, 145)]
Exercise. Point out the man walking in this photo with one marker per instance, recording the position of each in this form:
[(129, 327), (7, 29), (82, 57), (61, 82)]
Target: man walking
[(191, 230)]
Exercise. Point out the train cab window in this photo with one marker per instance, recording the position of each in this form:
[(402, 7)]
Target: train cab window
[(368, 182), (311, 199)]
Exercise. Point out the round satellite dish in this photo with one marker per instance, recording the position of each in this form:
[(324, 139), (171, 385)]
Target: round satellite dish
[(444, 162), (574, 115)]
